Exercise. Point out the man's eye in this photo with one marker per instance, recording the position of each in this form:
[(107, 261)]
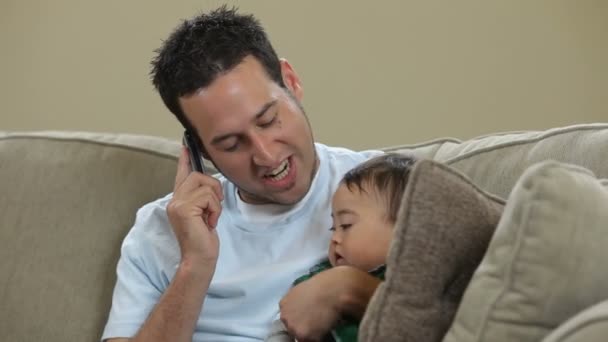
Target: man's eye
[(231, 148), (345, 226), (332, 228), (269, 122)]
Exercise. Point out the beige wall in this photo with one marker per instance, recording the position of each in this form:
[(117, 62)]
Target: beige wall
[(375, 73)]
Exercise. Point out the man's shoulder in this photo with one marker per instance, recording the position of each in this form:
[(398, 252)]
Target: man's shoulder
[(151, 220), (154, 208)]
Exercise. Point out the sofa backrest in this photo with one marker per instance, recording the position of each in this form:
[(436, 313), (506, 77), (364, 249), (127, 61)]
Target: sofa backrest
[(495, 162), (67, 201)]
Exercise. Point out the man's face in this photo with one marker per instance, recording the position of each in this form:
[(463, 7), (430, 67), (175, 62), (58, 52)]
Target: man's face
[(361, 231), (256, 132)]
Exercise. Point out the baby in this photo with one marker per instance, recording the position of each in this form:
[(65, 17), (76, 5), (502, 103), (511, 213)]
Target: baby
[(364, 211)]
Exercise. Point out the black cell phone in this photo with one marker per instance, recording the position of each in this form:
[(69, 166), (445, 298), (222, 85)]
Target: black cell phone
[(196, 160)]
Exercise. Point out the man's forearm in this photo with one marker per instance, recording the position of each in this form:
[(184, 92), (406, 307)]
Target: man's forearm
[(174, 317), (358, 292)]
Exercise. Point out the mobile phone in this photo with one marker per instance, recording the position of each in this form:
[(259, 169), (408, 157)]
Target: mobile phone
[(196, 160)]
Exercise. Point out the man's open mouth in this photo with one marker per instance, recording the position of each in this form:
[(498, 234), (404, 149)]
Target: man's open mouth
[(280, 172)]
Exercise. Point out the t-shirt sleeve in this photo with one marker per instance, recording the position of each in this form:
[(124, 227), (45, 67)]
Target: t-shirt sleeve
[(135, 293)]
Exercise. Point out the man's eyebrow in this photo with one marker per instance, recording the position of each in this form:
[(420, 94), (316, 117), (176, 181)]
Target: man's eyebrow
[(265, 109), (257, 115)]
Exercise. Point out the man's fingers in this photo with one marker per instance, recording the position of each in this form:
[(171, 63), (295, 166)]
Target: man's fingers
[(209, 203), (195, 180), (199, 188), (183, 168), (214, 210)]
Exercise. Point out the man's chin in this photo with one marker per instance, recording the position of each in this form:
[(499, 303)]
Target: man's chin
[(290, 197), (289, 201)]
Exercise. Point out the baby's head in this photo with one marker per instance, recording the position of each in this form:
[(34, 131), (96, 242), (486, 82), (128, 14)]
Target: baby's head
[(364, 210)]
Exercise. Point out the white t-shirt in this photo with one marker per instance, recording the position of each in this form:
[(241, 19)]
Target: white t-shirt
[(263, 249)]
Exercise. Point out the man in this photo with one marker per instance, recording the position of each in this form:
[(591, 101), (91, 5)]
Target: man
[(212, 260)]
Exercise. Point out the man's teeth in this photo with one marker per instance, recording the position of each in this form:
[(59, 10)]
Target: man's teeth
[(280, 172)]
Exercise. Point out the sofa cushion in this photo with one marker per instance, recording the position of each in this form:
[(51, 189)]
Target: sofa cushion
[(495, 162), (591, 325), (541, 267), (68, 200), (441, 234), (427, 149)]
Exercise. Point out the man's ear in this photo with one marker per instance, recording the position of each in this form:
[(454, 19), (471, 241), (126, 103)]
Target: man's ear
[(291, 79)]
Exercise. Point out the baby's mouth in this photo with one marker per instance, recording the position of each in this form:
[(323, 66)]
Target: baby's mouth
[(340, 260)]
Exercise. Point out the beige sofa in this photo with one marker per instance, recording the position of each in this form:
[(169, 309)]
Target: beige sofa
[(69, 198)]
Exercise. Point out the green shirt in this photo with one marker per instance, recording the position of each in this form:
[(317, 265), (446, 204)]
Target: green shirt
[(346, 330)]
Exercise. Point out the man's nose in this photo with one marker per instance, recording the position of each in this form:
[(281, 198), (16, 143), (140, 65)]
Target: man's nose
[(262, 151)]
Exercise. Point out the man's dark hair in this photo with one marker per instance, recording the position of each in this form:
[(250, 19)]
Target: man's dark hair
[(206, 46), (387, 175)]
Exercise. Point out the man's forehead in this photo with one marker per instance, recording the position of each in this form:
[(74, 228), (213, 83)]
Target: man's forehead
[(223, 111)]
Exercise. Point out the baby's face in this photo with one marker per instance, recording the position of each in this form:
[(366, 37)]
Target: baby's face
[(361, 233)]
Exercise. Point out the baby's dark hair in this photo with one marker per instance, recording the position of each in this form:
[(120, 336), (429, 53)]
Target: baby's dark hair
[(387, 175)]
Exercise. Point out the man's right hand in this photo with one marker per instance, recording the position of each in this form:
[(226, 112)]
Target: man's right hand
[(194, 212)]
